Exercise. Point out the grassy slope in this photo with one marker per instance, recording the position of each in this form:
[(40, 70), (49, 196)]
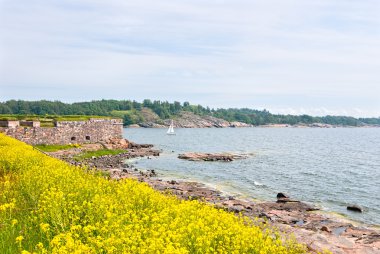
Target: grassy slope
[(54, 148), (48, 206), (49, 118), (98, 153)]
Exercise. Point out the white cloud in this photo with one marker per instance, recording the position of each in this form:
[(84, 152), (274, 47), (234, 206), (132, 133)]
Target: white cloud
[(234, 51)]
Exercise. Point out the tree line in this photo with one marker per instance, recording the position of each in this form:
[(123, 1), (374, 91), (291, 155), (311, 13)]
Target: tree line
[(130, 110)]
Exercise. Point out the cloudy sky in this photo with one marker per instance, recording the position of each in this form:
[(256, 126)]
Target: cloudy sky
[(289, 56)]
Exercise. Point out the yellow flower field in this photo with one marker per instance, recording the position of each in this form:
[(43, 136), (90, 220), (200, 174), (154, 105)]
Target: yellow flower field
[(48, 206)]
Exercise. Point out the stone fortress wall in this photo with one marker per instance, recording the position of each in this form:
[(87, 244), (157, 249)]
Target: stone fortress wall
[(64, 132)]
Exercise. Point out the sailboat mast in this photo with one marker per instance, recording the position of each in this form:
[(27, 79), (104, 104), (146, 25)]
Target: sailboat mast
[(171, 128)]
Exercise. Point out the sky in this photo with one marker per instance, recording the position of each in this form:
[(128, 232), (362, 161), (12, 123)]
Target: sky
[(315, 57)]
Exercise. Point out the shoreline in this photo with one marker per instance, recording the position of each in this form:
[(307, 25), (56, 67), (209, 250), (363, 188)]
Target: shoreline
[(310, 126), (316, 229), (322, 210)]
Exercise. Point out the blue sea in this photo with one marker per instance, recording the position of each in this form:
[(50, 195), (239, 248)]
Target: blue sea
[(330, 168)]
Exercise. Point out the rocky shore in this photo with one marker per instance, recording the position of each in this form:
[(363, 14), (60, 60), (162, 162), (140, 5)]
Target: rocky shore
[(187, 119), (316, 230), (190, 120)]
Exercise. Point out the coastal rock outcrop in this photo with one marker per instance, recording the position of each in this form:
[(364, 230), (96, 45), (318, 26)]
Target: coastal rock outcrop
[(355, 208), (116, 143), (211, 156), (190, 120)]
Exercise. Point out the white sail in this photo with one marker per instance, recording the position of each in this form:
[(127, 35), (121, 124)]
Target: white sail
[(171, 129)]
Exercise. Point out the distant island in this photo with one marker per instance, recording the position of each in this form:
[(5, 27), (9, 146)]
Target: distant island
[(158, 114)]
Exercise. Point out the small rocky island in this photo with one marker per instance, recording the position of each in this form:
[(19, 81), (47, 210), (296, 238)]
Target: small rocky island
[(212, 156)]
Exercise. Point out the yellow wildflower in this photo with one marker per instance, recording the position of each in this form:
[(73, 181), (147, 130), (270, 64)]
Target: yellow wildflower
[(19, 239), (14, 222)]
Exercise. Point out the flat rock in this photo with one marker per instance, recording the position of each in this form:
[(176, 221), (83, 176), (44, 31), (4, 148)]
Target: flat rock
[(211, 156)]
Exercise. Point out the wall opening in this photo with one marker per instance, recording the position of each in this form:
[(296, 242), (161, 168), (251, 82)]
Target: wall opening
[(88, 138), (73, 138)]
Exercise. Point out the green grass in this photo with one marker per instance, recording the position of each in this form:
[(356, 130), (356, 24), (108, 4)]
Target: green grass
[(47, 123), (54, 148), (79, 118), (98, 153), (51, 118)]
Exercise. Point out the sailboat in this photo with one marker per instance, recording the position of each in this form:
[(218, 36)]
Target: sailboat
[(171, 129)]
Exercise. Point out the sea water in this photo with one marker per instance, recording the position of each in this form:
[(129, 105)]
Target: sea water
[(331, 168)]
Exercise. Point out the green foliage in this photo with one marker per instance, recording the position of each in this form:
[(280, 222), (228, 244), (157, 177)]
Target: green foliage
[(54, 148), (98, 153), (130, 111), (49, 118), (129, 116), (77, 117)]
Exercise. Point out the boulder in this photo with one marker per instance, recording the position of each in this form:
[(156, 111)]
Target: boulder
[(355, 208), (282, 195), (116, 143), (133, 145), (282, 198)]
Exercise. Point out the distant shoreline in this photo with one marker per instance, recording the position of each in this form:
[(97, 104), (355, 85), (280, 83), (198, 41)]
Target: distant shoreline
[(316, 126)]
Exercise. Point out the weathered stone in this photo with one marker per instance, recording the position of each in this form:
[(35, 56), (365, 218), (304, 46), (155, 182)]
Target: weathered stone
[(9, 123), (69, 132), (236, 209), (282, 195), (355, 208), (326, 229), (133, 145)]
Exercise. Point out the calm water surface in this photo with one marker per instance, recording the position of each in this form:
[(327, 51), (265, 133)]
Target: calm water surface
[(328, 167)]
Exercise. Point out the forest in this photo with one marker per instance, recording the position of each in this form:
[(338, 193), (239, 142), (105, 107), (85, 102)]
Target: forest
[(130, 111)]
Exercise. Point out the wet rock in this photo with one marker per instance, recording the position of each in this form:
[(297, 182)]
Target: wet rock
[(133, 145), (355, 208), (283, 198), (282, 195)]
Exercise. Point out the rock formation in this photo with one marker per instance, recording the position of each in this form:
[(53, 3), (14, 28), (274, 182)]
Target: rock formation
[(190, 120), (211, 156)]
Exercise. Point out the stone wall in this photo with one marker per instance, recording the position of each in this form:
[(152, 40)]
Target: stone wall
[(9, 123), (30, 123), (69, 132)]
